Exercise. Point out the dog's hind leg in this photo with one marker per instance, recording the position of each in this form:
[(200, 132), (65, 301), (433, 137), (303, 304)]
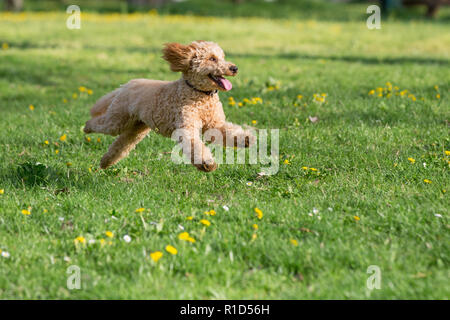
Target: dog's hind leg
[(122, 146), (103, 103), (109, 116), (113, 122)]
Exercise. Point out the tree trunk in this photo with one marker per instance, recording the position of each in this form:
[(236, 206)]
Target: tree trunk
[(14, 5), (147, 3)]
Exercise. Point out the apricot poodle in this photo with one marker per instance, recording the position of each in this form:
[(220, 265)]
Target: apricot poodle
[(190, 103)]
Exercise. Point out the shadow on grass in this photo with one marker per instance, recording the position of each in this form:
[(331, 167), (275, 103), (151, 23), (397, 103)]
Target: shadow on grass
[(32, 174)]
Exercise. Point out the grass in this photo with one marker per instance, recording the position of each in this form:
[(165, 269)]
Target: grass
[(383, 213)]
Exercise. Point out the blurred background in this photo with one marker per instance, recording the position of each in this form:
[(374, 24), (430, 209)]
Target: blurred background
[(311, 9)]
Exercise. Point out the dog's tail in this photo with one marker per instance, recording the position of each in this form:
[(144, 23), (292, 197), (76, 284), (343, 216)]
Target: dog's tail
[(103, 103)]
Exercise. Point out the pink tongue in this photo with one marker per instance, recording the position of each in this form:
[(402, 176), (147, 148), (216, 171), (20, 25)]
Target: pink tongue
[(226, 84)]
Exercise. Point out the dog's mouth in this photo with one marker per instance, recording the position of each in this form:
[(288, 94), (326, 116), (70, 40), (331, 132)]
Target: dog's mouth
[(223, 83)]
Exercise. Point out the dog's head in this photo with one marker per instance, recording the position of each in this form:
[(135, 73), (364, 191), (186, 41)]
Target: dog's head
[(202, 63)]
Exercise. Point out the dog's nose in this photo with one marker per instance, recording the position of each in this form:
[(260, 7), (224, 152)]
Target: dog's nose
[(234, 69)]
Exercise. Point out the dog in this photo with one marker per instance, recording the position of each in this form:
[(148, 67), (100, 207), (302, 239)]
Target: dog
[(190, 104)]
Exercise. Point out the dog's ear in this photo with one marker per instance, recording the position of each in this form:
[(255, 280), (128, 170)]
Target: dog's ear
[(178, 56)]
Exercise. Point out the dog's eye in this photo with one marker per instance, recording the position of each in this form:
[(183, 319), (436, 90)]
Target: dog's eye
[(213, 59)]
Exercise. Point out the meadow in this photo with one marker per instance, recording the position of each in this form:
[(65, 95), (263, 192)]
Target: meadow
[(364, 163)]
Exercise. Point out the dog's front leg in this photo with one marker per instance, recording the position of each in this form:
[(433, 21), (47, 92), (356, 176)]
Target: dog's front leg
[(235, 136), (194, 148)]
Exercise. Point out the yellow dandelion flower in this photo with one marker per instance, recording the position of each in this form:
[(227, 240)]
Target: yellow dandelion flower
[(64, 100), (88, 139), (172, 250), (305, 168), (2, 191), (31, 107), (99, 140), (74, 96), (189, 218), (183, 236), (299, 97), (438, 96), (286, 161), (447, 152), (254, 122), (259, 213), (190, 239), (379, 89), (68, 164), (245, 100), (56, 151), (140, 210), (102, 242), (255, 226), (109, 234), (427, 181), (356, 218), (313, 169), (26, 212), (5, 46), (294, 242), (212, 212), (232, 102), (156, 255), (80, 239), (205, 222), (412, 160), (240, 104), (89, 91), (63, 137), (46, 142), (371, 92), (254, 236), (82, 89), (436, 87), (186, 237), (45, 211)]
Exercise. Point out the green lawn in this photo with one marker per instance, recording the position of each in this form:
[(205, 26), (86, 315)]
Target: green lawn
[(382, 212)]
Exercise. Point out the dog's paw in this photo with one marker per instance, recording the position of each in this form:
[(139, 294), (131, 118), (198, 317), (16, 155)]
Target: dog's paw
[(206, 166), (87, 128)]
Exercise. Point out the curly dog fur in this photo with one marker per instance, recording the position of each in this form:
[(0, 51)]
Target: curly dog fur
[(190, 103)]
